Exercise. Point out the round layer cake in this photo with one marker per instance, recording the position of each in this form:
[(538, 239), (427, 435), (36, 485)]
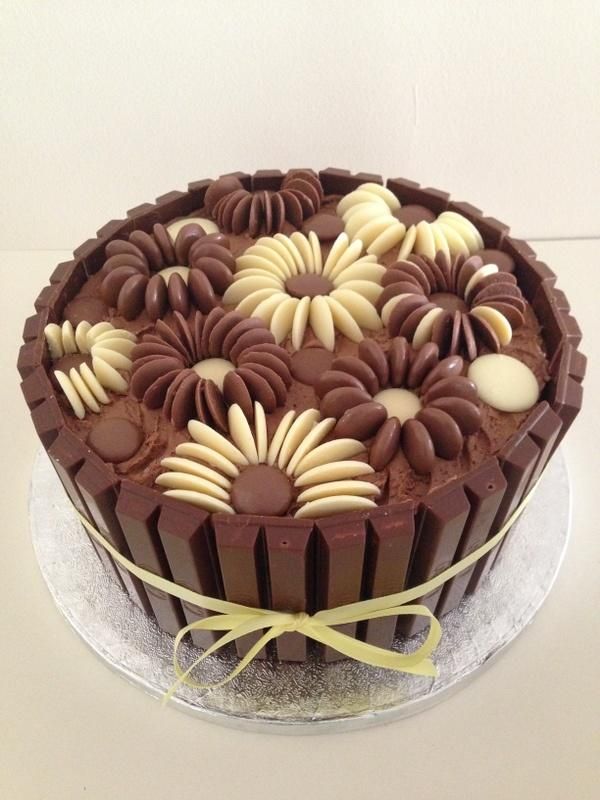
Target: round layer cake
[(299, 390)]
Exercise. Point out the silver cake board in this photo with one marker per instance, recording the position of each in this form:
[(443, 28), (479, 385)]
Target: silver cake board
[(300, 698)]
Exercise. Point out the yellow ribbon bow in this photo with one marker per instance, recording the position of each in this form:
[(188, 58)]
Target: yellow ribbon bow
[(239, 620)]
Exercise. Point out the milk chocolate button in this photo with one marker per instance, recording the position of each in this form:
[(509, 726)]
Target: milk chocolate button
[(445, 433), (327, 226), (261, 489), (503, 261), (413, 214), (504, 382), (308, 365), (360, 370), (385, 444), (115, 439), (361, 421), (448, 367), (425, 360), (417, 446), (452, 387), (466, 415), (85, 309), (335, 379), (399, 357), (337, 401), (372, 354), (219, 189)]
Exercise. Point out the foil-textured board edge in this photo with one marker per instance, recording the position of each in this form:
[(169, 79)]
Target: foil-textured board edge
[(311, 697)]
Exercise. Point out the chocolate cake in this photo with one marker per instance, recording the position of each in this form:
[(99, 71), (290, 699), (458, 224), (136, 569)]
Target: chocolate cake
[(299, 390)]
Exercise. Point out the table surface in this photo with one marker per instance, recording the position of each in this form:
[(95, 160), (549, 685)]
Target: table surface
[(526, 728)]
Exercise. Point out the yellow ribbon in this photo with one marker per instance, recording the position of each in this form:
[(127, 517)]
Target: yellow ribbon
[(239, 620)]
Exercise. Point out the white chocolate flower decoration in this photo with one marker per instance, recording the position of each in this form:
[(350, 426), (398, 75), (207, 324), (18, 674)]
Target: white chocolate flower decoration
[(283, 281), (88, 360), (252, 475), (368, 216), (450, 233)]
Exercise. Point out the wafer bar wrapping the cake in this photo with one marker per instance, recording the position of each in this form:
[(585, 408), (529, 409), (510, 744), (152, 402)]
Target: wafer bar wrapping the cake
[(290, 557), (342, 181), (99, 488), (186, 536), (440, 524), (411, 193), (240, 550), (517, 460), (484, 487), (390, 536), (137, 510), (68, 453), (341, 544)]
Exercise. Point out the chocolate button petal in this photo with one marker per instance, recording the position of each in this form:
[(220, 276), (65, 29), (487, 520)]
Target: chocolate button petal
[(360, 422), (411, 323), (219, 189), (201, 291), (149, 248), (485, 333), (468, 337), (220, 331), (235, 335), (163, 240), (447, 368), (209, 248), (120, 246), (333, 379), (209, 323), (259, 389), (125, 260), (216, 271), (156, 298), (177, 292), (235, 392), (372, 354), (267, 360), (399, 359), (148, 373), (251, 339), (452, 387), (293, 210), (386, 444), (113, 282), (417, 446), (445, 433), (155, 394), (271, 377), (441, 332), (466, 415), (360, 370), (339, 400), (402, 310), (273, 349), (425, 360), (131, 298), (183, 406), (216, 405), (172, 392)]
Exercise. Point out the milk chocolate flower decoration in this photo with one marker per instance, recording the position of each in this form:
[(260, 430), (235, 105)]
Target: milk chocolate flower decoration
[(251, 474), (88, 361), (283, 281), (198, 368), (402, 398), (237, 210), (156, 272), (462, 305)]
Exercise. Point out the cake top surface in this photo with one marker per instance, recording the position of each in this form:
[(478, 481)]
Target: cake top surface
[(299, 345)]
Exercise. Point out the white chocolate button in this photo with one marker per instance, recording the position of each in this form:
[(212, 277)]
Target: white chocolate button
[(338, 249), (298, 430), (355, 198), (93, 384), (334, 472), (408, 243), (108, 376), (184, 480), (206, 224), (83, 391), (204, 435), (241, 433), (241, 288), (265, 309), (321, 322), (279, 436), (300, 322), (213, 369), (193, 468), (70, 393), (498, 322), (387, 239), (334, 505), (260, 432), (423, 332), (336, 450), (504, 383), (382, 192), (482, 272), (305, 251), (205, 501), (400, 403), (203, 453), (361, 271), (350, 487), (283, 318), (310, 441), (250, 303), (424, 242), (386, 311), (362, 311), (344, 321)]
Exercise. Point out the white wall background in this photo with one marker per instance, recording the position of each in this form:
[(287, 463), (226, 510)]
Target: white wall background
[(107, 104)]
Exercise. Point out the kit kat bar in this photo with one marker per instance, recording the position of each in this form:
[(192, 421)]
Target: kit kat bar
[(411, 193), (484, 487), (239, 548), (517, 461), (48, 420), (341, 545), (35, 324), (290, 557), (98, 488), (137, 510), (36, 387), (390, 537), (267, 179), (186, 535), (68, 454), (342, 181), (441, 523), (174, 204)]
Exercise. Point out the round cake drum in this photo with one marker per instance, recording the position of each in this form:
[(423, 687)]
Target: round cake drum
[(310, 697)]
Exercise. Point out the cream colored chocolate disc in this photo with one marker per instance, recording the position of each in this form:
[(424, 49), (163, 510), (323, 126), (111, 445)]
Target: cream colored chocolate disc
[(400, 403), (504, 382)]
